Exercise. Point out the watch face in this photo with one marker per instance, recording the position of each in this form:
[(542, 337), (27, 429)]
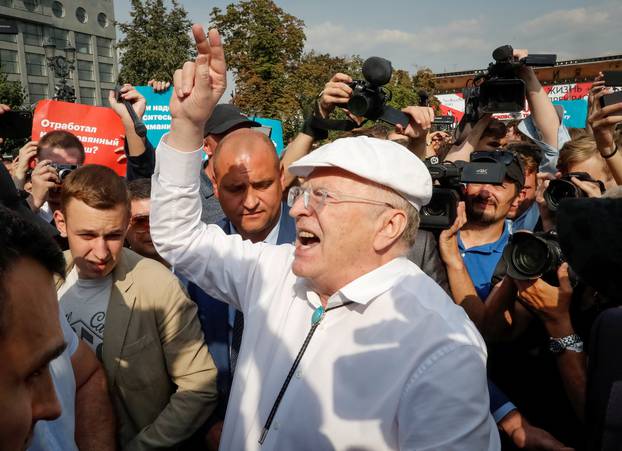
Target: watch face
[(555, 347)]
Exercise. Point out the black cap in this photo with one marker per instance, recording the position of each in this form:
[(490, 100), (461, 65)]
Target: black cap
[(224, 117)]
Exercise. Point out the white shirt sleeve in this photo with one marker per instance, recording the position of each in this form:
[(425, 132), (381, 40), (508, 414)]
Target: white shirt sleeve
[(224, 266), (439, 411)]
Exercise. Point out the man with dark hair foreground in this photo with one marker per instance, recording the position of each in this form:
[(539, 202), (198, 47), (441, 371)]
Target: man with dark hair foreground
[(30, 333), (134, 314)]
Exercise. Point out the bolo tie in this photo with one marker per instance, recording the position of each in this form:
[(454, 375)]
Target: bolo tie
[(316, 318)]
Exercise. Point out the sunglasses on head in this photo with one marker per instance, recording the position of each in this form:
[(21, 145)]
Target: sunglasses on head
[(500, 156)]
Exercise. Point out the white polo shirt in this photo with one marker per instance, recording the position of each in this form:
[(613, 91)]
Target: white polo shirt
[(401, 367)]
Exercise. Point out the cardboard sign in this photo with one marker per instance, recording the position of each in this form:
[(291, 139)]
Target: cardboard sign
[(157, 117), (99, 130)]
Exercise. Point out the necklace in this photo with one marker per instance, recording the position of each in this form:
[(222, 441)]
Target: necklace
[(316, 319)]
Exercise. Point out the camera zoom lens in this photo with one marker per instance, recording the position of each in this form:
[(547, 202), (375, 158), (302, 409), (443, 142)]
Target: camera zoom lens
[(359, 105), (561, 189), (530, 256)]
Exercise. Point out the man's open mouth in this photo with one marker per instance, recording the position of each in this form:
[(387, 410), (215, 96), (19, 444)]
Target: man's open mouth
[(307, 238)]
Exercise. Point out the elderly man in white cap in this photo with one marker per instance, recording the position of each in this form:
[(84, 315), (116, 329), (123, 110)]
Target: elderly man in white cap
[(347, 345)]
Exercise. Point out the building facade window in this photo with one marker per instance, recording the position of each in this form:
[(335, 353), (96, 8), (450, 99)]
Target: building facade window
[(8, 37), (37, 91), (32, 5), (33, 34), (8, 61), (83, 43), (60, 38), (85, 70), (102, 20), (81, 15), (87, 96), (36, 65), (104, 98), (58, 9), (105, 72), (104, 47)]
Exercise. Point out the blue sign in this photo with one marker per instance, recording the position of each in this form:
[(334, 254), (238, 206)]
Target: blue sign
[(157, 117), (575, 112), (274, 129)]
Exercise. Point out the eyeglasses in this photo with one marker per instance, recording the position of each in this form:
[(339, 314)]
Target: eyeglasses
[(140, 223), (500, 156), (316, 198)]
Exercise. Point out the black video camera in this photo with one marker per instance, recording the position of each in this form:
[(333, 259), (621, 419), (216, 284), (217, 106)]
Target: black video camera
[(563, 188), (440, 212), (499, 89), (533, 255), (63, 170), (369, 97), (612, 78)]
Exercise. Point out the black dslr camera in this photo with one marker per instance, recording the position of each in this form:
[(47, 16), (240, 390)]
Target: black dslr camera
[(369, 97), (440, 212), (498, 89), (63, 170), (563, 188), (531, 255)]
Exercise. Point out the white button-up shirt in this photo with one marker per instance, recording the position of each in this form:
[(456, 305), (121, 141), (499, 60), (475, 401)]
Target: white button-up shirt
[(401, 367)]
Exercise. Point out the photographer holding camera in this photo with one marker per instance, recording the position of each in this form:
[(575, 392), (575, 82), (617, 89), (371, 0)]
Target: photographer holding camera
[(543, 126), (58, 153)]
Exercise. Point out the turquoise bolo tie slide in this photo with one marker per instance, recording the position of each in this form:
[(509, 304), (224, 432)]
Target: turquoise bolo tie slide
[(317, 316)]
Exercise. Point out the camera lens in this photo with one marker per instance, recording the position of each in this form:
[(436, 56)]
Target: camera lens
[(530, 255), (559, 190), (436, 207), (359, 104)]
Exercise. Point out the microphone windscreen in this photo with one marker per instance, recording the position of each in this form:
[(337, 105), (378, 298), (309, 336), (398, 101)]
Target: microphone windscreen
[(377, 70), (503, 53)]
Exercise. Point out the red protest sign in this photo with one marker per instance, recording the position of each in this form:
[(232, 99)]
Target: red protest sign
[(99, 130)]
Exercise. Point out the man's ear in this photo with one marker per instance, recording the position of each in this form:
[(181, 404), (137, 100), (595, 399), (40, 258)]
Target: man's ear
[(392, 224), (61, 225), (282, 177)]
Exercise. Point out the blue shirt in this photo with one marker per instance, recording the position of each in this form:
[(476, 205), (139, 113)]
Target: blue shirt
[(481, 261), (528, 220)]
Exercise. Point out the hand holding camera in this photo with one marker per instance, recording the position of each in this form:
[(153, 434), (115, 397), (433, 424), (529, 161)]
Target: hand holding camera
[(420, 122), (448, 239), (21, 165), (44, 178), (551, 304), (603, 121), (336, 92)]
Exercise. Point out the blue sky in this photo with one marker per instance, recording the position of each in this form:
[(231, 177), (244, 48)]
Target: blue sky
[(445, 35)]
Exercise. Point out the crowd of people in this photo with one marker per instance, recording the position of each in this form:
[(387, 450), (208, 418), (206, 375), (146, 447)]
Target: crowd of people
[(222, 297)]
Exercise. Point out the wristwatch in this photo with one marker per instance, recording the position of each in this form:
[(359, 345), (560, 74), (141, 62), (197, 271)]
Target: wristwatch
[(571, 343)]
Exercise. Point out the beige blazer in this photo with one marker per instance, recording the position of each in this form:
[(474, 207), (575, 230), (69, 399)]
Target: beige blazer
[(160, 373)]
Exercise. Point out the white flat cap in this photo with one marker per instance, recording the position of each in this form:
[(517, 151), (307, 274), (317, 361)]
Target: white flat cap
[(385, 162)]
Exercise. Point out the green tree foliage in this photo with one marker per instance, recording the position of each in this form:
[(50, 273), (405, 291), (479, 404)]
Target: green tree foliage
[(11, 92), (263, 44), (424, 80), (156, 42), (275, 78)]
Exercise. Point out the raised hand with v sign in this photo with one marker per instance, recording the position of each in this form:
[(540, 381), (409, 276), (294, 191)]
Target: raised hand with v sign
[(198, 86)]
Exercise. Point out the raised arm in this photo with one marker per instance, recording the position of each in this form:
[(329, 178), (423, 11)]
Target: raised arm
[(223, 266), (603, 122), (542, 109)]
